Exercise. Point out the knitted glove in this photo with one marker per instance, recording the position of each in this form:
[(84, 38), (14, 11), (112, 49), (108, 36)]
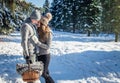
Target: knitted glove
[(28, 60), (27, 57)]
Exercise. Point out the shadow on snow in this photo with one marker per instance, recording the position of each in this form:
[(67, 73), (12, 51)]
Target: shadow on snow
[(73, 37), (8, 66), (76, 66)]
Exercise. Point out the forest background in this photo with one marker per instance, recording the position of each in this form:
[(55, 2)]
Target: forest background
[(76, 16)]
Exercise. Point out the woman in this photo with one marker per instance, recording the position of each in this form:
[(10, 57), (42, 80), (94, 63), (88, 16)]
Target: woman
[(45, 37)]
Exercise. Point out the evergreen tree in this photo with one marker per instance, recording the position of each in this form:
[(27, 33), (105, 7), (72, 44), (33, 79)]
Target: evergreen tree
[(76, 15), (94, 14), (106, 16), (115, 18), (11, 17), (110, 17), (46, 6), (65, 15), (56, 12)]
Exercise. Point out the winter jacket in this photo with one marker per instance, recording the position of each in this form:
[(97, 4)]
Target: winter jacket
[(44, 48), (27, 31), (28, 45)]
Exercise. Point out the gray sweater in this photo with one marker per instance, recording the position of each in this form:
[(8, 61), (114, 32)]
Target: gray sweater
[(45, 47), (28, 44)]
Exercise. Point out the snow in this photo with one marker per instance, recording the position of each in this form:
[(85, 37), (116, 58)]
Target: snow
[(75, 58)]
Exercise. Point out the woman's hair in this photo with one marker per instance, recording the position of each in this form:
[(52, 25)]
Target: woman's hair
[(44, 29), (44, 32)]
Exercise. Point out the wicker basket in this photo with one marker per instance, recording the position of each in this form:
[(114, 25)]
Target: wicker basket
[(30, 76), (30, 72)]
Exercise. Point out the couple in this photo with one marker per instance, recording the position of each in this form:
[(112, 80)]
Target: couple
[(36, 40)]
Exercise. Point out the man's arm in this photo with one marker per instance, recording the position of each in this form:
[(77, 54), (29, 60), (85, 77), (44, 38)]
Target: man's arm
[(24, 42), (42, 45), (48, 43)]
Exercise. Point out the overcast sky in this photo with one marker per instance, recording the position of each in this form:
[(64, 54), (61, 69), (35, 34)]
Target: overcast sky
[(38, 3)]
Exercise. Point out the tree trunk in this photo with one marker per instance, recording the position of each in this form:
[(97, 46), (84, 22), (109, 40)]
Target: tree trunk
[(88, 34), (116, 37), (74, 28)]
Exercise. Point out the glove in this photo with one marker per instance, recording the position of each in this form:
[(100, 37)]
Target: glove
[(34, 39), (27, 57), (28, 60)]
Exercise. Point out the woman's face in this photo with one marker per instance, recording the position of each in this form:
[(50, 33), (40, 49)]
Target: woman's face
[(38, 25)]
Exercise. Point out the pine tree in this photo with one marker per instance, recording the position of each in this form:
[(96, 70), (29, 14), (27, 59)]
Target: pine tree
[(12, 17), (110, 17), (46, 6), (76, 15), (65, 15), (106, 16), (94, 17), (56, 12), (115, 18)]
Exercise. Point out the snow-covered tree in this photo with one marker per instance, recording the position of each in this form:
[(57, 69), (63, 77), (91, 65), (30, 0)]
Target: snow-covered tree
[(46, 6), (12, 14), (106, 16), (92, 16), (76, 15), (56, 12)]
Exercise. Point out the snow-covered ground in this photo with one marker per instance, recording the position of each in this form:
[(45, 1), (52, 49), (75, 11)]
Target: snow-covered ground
[(75, 58)]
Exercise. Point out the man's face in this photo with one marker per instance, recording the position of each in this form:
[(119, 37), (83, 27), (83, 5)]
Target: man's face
[(36, 22)]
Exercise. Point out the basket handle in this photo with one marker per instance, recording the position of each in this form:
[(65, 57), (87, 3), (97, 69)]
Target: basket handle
[(29, 66)]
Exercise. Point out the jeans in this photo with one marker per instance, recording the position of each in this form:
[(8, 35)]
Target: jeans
[(46, 59)]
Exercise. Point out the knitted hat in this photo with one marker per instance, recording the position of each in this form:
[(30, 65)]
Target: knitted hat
[(45, 19), (35, 15)]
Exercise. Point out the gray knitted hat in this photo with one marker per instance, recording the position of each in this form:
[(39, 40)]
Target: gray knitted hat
[(35, 15)]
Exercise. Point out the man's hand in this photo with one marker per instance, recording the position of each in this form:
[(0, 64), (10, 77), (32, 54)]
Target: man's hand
[(27, 57), (28, 60)]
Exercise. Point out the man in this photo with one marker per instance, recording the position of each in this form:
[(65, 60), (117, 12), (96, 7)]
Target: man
[(28, 30)]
